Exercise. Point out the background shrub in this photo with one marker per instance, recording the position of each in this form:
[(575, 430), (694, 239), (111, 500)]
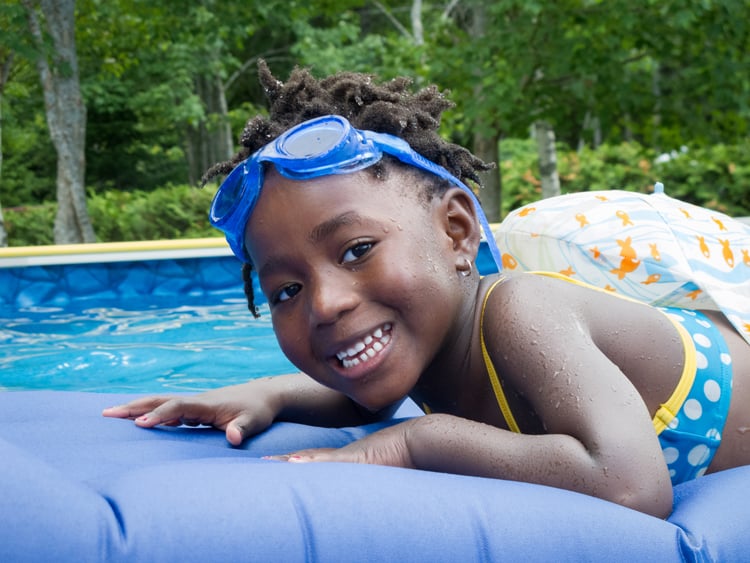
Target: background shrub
[(717, 177)]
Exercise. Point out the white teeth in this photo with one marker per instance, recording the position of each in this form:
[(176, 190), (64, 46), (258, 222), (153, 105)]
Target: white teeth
[(366, 348)]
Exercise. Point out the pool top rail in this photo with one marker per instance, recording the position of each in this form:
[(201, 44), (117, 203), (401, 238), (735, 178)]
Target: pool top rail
[(19, 256)]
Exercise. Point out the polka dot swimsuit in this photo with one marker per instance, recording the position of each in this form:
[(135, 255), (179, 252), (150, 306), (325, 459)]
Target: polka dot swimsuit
[(690, 423)]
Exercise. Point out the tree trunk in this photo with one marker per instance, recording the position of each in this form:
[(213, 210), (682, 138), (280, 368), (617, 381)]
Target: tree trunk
[(545, 142), (211, 140), (486, 145), (656, 117), (3, 232), (486, 148), (66, 113), (417, 29), (4, 74)]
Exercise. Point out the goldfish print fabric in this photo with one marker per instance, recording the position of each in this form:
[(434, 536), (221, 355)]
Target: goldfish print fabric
[(649, 247)]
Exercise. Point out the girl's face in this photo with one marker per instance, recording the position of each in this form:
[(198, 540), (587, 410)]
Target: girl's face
[(361, 279)]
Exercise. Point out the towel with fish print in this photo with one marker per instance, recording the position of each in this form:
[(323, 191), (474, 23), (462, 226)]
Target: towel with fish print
[(649, 247)]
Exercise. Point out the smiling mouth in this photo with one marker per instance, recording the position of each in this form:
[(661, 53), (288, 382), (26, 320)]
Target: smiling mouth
[(366, 348)]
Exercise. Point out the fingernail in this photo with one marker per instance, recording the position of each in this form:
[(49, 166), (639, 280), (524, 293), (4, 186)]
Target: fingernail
[(143, 418), (295, 458)]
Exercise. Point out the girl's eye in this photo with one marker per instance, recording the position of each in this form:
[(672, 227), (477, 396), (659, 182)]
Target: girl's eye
[(356, 252), (286, 293)]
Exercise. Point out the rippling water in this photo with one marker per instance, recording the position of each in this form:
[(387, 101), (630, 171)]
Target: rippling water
[(162, 345)]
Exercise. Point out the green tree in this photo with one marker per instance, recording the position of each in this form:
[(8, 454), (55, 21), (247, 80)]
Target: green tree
[(168, 86)]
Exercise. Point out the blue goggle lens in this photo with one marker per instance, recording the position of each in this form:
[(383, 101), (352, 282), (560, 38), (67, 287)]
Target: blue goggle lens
[(309, 143), (228, 194)]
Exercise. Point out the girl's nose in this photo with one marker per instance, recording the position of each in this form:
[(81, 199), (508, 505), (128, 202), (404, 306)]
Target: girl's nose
[(331, 296)]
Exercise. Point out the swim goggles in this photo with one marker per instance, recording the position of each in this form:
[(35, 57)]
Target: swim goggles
[(318, 147)]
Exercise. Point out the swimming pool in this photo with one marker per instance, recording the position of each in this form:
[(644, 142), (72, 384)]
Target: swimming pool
[(149, 317), (131, 318)]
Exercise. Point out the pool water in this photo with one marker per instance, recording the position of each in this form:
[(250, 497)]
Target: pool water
[(145, 326), (141, 326), (166, 344)]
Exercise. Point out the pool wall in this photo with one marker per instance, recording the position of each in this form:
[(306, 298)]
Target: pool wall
[(56, 275)]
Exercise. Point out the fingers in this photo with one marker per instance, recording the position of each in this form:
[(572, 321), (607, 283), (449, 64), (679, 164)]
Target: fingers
[(245, 425), (237, 430), (239, 418), (136, 408), (151, 411), (307, 456)]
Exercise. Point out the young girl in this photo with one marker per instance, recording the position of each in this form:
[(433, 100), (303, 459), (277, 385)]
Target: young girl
[(364, 248)]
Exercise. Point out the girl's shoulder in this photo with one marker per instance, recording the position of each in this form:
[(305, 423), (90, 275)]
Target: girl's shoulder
[(548, 303), (541, 287), (532, 288)]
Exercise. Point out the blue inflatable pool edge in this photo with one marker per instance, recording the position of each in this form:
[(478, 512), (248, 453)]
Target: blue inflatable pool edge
[(79, 487)]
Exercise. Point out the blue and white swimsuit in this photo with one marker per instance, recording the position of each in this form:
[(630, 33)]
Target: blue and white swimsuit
[(689, 424)]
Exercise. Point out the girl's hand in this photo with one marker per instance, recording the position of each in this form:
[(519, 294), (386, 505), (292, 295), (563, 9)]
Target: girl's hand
[(240, 410), (385, 447), (249, 408)]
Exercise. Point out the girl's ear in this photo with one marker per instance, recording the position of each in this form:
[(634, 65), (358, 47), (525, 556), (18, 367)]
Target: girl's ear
[(461, 225)]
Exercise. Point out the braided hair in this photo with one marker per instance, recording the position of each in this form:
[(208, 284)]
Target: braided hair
[(387, 107)]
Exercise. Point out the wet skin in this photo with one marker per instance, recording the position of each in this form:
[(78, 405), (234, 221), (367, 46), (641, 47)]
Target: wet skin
[(369, 297), (357, 263)]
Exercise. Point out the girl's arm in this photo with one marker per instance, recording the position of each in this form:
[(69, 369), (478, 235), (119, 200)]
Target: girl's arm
[(599, 439), (451, 444), (456, 445), (249, 408)]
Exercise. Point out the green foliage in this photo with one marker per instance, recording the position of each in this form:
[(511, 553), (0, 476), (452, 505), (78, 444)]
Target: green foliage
[(29, 160), (664, 73), (657, 74), (717, 177), (30, 226), (168, 213)]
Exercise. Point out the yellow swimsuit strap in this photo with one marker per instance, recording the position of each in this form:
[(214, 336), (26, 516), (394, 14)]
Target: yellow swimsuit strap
[(502, 401), (667, 411), (664, 414)]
